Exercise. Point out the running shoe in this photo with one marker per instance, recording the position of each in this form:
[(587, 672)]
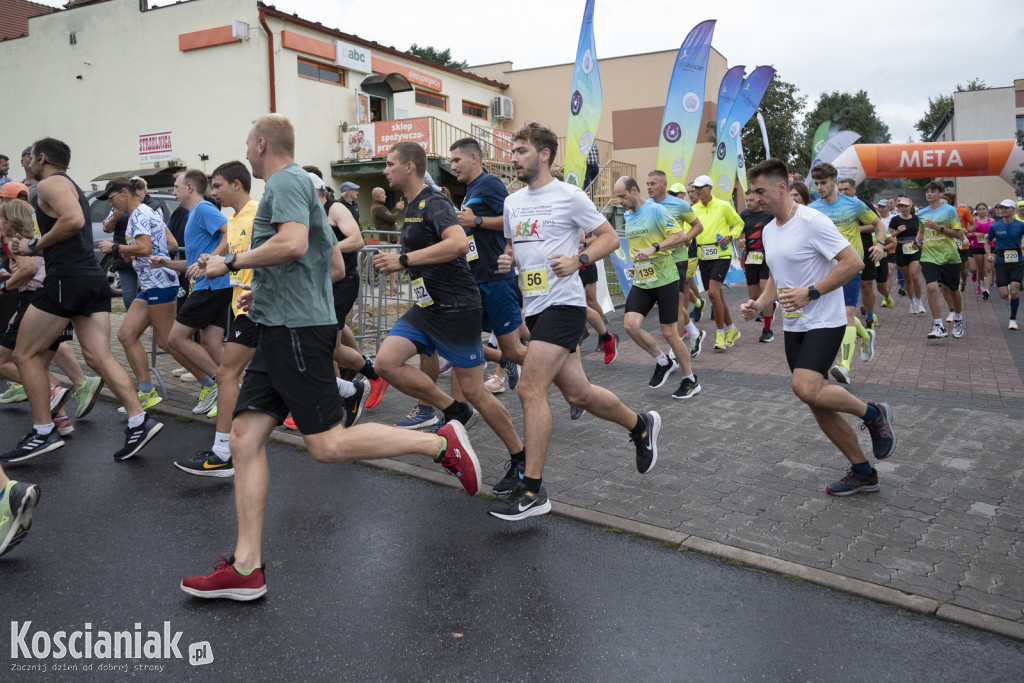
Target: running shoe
[(840, 374), (522, 503), (16, 506), (731, 337), (984, 294), (496, 383), (852, 483), (513, 372), (767, 337), (62, 423), (867, 348), (759, 318), (720, 341), (86, 395), (419, 417), (513, 474), (696, 342), (377, 388), (178, 372), (289, 422), (958, 328), (187, 377), (661, 373), (974, 277), (647, 442), (902, 291), (213, 412), (938, 332), (32, 445), (207, 400), (445, 367), (888, 302), (1012, 325), (149, 400), (575, 412), (458, 457), (883, 438), (355, 403), (979, 290), (885, 302), (227, 583), (14, 394), (688, 388), (206, 464), (58, 397), (698, 310), (949, 318), (610, 348), (137, 437), (869, 324)]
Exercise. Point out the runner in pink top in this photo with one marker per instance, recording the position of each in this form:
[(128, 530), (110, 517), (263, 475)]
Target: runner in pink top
[(982, 222)]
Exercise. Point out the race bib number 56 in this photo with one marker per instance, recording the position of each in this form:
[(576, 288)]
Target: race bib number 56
[(534, 280)]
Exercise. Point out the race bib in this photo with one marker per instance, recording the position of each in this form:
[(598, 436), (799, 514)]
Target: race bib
[(798, 313), (645, 274), (534, 280), (420, 293), (472, 254), (933, 235), (910, 248), (709, 252), (755, 257), (1011, 256)]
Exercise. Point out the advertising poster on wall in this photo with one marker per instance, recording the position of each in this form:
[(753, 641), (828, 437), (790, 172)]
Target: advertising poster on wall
[(373, 140)]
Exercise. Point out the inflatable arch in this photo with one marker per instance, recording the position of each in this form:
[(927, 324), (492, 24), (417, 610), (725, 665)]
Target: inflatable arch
[(931, 160)]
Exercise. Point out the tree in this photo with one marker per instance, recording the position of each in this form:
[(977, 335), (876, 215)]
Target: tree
[(938, 106), (780, 107), (437, 56), (1018, 174)]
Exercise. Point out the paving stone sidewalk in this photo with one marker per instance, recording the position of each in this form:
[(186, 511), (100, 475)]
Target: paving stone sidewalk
[(744, 464)]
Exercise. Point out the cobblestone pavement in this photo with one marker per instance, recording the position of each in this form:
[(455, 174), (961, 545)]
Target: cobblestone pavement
[(744, 464)]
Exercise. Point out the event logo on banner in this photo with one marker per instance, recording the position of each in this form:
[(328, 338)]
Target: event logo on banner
[(585, 102), (725, 166), (929, 159), (369, 140), (820, 136), (684, 105)]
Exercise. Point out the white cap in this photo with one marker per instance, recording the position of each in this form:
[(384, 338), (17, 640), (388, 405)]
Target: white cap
[(703, 181), (1008, 203), (318, 182)]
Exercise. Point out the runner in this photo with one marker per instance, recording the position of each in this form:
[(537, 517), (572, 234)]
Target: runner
[(652, 235), (848, 214), (904, 227), (810, 260), (292, 370), (869, 236), (692, 262), (883, 266), (754, 219), (543, 222), (940, 259), (75, 289), (963, 245), (1005, 238), (722, 225), (983, 271)]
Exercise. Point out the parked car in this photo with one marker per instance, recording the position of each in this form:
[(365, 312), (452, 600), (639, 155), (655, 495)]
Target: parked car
[(99, 209)]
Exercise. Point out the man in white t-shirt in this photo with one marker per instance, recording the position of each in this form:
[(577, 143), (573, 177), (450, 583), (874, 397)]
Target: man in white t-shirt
[(543, 225), (810, 261)]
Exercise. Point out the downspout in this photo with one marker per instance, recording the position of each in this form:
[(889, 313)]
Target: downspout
[(270, 61)]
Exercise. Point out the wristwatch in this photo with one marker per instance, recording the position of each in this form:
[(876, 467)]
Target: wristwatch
[(403, 260), (478, 221), (584, 259), (32, 245), (229, 261), (114, 247), (657, 247), (813, 293)]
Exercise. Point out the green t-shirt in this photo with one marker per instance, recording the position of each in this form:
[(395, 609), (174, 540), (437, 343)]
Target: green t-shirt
[(649, 224), (297, 293), (938, 247), (683, 215)]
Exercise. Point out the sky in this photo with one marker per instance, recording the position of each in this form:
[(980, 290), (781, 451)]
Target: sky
[(901, 53)]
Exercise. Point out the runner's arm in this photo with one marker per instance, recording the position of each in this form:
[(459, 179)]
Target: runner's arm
[(25, 268), (64, 203), (353, 238)]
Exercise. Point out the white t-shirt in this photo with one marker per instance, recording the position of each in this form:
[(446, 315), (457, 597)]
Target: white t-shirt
[(799, 254), (541, 223)]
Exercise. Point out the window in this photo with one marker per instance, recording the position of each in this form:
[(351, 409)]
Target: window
[(475, 110), (1020, 123), (321, 72), (432, 100)]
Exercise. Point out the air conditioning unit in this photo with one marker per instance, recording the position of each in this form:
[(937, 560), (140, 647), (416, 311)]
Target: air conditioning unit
[(503, 108)]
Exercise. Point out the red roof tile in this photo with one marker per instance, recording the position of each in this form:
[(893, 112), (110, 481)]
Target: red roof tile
[(14, 16)]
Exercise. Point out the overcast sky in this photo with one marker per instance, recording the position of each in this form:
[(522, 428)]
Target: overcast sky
[(900, 52)]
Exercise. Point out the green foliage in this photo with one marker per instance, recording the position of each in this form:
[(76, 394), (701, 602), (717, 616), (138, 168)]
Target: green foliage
[(937, 108), (780, 107), (1018, 175), (431, 54)]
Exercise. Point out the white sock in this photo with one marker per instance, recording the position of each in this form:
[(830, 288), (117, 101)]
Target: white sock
[(958, 317), (221, 446), (692, 330), (43, 430), (662, 359), (493, 340), (938, 321), (345, 388), (692, 378), (731, 327), (136, 420)]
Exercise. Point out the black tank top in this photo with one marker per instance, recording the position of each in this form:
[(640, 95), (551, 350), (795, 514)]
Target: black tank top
[(74, 256), (350, 259)]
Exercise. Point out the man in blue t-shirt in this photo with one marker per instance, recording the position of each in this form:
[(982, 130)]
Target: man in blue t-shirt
[(1003, 248), (209, 301)]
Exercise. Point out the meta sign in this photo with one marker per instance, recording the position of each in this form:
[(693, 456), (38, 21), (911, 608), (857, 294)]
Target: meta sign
[(351, 57)]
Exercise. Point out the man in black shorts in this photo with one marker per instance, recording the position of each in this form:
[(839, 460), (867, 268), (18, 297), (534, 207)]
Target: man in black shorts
[(810, 261), (754, 219), (292, 369), (869, 274), (74, 289)]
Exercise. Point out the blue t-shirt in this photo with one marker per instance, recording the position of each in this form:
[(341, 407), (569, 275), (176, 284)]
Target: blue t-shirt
[(1006, 236), (485, 195), (202, 235)]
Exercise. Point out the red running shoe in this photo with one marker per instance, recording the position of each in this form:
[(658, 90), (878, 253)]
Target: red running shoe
[(459, 458), (226, 583), (289, 422), (611, 349), (377, 388)]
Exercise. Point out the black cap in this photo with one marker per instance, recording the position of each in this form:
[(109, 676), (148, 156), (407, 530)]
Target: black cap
[(113, 188)]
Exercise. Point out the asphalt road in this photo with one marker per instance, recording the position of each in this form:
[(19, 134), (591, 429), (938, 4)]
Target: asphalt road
[(374, 576)]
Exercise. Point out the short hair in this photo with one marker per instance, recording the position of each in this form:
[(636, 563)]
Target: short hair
[(122, 180), (773, 169), (540, 137), (981, 204), (469, 146), (935, 185), (278, 133), (232, 171), (824, 170), (658, 174), (57, 153), (18, 213), (630, 183), (197, 178), (407, 151), (4, 157), (315, 170), (951, 196), (801, 189), (849, 181)]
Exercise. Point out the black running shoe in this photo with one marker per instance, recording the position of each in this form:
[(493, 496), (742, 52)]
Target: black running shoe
[(661, 373), (575, 412), (32, 445), (206, 464), (513, 475), (521, 503), (698, 311), (883, 438), (647, 442), (767, 337), (354, 403), (135, 439), (688, 388)]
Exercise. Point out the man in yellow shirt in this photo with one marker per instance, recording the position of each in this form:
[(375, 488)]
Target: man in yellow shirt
[(722, 225)]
